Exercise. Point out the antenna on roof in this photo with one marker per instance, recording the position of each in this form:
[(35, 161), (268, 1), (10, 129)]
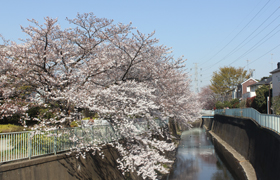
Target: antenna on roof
[(248, 65), (251, 71), (271, 61)]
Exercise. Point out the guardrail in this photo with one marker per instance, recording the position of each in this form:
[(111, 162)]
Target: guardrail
[(266, 120), (24, 145)]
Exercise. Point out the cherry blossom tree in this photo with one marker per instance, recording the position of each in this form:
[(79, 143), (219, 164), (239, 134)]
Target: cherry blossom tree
[(208, 98), (113, 70)]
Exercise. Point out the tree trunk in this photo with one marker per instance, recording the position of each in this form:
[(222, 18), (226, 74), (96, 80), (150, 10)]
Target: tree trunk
[(172, 127)]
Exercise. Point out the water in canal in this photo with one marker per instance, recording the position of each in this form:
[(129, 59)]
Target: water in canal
[(196, 159)]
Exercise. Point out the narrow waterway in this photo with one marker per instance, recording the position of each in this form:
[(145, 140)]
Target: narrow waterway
[(197, 160)]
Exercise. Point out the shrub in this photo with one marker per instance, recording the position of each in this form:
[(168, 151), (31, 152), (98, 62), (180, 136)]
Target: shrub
[(249, 101), (219, 105), (276, 105), (74, 124), (234, 103), (260, 102)]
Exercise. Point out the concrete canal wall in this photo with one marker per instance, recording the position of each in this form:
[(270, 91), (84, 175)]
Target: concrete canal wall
[(63, 167), (68, 167), (252, 152)]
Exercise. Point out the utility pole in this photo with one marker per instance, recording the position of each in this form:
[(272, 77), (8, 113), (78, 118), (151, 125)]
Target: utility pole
[(251, 71), (196, 78), (248, 64)]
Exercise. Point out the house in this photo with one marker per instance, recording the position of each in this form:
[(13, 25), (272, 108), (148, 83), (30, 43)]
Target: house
[(276, 81), (243, 90), (252, 88)]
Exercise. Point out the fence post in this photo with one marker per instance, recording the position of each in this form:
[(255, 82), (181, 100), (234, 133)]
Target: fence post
[(75, 136), (92, 135), (29, 146), (106, 133), (54, 142), (278, 129)]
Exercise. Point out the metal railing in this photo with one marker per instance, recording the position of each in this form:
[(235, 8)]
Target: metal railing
[(266, 120), (23, 145), (207, 112)]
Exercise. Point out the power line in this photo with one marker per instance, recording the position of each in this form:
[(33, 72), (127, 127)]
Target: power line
[(259, 43), (228, 36), (265, 53), (236, 48), (258, 33), (238, 34), (256, 45)]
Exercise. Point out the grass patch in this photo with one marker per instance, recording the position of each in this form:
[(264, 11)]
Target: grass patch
[(179, 133), (165, 166), (5, 128), (88, 118)]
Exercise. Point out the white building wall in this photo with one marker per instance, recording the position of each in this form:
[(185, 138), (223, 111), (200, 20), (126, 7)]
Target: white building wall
[(248, 95), (276, 84), (234, 95)]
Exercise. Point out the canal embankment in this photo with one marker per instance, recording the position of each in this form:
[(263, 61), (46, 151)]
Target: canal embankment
[(240, 167), (251, 150), (67, 167)]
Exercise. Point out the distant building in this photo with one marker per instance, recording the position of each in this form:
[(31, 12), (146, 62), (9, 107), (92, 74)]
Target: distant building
[(243, 91), (276, 81), (252, 88)]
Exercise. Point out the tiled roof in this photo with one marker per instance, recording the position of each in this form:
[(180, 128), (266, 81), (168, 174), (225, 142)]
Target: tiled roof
[(275, 71), (249, 80), (264, 81)]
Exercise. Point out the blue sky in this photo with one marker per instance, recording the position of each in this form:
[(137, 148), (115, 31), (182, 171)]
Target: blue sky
[(213, 34)]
